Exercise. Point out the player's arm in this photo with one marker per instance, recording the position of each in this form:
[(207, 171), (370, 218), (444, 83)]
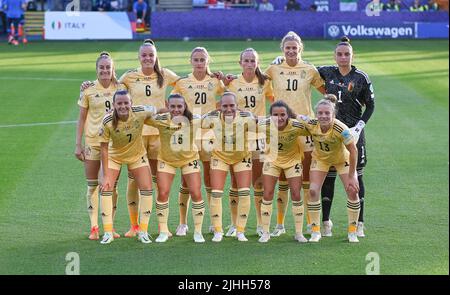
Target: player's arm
[(317, 81), (369, 101), (79, 151)]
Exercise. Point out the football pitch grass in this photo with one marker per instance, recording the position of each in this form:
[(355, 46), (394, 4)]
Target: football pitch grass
[(43, 212)]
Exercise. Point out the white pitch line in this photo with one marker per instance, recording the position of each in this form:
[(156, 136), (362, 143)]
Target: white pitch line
[(37, 124), (39, 78)]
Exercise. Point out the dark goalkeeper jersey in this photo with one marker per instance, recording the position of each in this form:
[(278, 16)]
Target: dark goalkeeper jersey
[(354, 91)]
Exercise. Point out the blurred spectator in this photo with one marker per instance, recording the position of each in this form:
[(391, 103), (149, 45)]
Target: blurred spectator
[(417, 7), (217, 4), (86, 5), (2, 17), (348, 5), (31, 6), (443, 4), (392, 5), (313, 8), (431, 6), (376, 6), (102, 5), (142, 12), (14, 13), (292, 5), (265, 5)]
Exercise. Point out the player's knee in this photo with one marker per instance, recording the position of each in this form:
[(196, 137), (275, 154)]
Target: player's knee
[(314, 193)]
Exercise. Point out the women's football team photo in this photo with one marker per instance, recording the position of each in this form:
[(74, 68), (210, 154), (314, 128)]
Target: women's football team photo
[(215, 123)]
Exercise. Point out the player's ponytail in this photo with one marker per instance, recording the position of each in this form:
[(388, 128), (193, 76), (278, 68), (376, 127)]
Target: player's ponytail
[(282, 104), (156, 67)]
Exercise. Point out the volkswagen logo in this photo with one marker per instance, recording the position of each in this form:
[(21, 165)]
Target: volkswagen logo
[(333, 31)]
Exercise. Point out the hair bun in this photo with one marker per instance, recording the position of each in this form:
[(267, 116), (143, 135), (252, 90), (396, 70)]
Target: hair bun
[(330, 97), (345, 39), (149, 41), (105, 53)]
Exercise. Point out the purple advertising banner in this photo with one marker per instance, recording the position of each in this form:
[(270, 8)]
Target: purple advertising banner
[(249, 23)]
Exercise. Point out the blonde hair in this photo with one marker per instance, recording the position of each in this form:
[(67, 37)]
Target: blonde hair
[(106, 55), (259, 74), (156, 67), (203, 49), (329, 100), (292, 36)]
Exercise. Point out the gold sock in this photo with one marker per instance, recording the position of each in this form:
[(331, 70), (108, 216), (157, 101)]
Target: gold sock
[(243, 209), (183, 202), (198, 212), (107, 211), (162, 213), (297, 212), (216, 210), (258, 192), (353, 208), (145, 208), (266, 214), (132, 200), (92, 201), (115, 198), (305, 186), (234, 201), (314, 214), (282, 201)]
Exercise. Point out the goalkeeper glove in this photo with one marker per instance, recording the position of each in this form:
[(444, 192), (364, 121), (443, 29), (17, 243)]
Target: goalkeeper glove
[(356, 130)]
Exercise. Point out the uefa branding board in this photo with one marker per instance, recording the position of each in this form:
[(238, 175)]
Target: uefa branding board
[(87, 25), (370, 31)]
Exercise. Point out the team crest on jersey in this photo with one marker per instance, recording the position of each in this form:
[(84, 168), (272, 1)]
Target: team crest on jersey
[(303, 75), (210, 86), (136, 124), (350, 86), (260, 90)]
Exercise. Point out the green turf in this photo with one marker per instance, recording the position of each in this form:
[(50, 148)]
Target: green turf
[(42, 203)]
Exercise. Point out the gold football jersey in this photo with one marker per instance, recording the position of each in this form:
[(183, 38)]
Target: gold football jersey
[(144, 90), (98, 102), (293, 85)]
